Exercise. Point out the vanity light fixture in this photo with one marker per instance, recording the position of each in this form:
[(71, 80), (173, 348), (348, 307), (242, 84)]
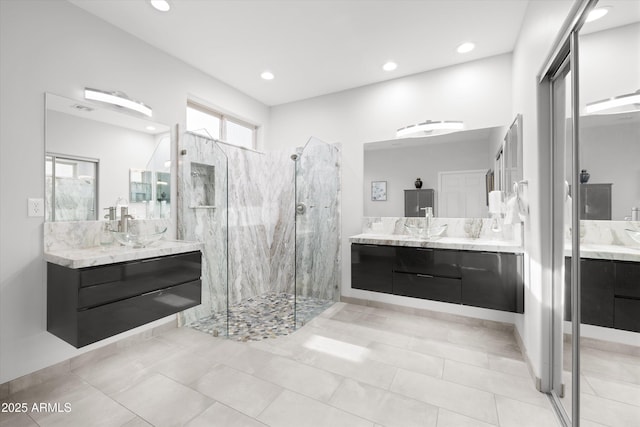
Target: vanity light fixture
[(615, 102), (118, 99), (597, 13), (466, 47), (428, 127), (267, 75), (160, 5), (390, 66)]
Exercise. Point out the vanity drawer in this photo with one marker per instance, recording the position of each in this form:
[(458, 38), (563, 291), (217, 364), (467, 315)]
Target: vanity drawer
[(627, 279), (627, 314), (110, 319), (427, 287), (180, 268), (140, 277), (435, 262)]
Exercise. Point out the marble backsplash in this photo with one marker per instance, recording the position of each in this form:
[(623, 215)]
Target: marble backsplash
[(607, 233), (471, 228), (65, 235)]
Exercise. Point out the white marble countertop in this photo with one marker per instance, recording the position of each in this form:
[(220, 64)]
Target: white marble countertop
[(610, 252), (460, 243), (90, 257)]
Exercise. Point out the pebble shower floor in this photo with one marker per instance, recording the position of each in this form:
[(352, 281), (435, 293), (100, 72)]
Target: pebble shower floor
[(262, 317)]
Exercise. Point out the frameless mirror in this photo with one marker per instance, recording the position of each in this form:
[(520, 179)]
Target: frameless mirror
[(457, 171), (95, 156)]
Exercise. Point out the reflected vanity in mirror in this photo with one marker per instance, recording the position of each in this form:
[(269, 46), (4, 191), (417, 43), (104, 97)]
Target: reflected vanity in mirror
[(96, 156), (460, 168)]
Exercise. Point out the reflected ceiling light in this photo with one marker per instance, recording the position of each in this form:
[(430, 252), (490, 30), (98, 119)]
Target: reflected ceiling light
[(466, 47), (429, 127), (161, 5), (597, 13), (390, 66), (118, 99), (267, 75), (150, 128), (615, 102)]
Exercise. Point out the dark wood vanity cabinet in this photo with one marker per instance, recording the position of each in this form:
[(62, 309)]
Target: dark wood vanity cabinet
[(480, 279), (371, 267), (493, 280), (610, 293), (89, 304)]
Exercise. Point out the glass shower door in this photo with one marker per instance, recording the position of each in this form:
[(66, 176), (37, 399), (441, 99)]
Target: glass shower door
[(317, 229), (203, 217)]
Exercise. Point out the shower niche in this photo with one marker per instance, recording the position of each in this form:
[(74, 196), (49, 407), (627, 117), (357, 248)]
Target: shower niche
[(203, 179)]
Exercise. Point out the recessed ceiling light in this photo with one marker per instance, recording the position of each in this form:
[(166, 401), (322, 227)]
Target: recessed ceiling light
[(390, 66), (597, 13), (267, 75), (466, 47), (161, 5)]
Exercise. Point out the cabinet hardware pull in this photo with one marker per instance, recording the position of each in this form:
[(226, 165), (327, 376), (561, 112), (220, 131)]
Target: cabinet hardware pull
[(427, 276), (425, 249)]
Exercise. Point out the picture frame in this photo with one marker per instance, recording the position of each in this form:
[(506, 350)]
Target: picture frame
[(379, 191)]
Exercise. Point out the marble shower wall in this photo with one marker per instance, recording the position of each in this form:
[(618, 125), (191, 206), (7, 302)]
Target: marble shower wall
[(203, 218), (318, 254)]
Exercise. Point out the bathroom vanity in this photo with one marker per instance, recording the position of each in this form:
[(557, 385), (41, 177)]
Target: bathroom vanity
[(94, 294), (458, 271)]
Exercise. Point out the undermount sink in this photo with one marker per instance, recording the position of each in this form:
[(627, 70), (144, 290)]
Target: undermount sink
[(421, 231), (138, 240)]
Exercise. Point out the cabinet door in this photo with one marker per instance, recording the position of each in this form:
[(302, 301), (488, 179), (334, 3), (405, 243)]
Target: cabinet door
[(627, 314), (371, 267), (492, 280), (427, 287), (627, 279), (596, 289)]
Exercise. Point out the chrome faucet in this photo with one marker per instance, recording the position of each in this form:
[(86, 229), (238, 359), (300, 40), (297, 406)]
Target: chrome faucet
[(112, 213), (123, 225), (428, 219)]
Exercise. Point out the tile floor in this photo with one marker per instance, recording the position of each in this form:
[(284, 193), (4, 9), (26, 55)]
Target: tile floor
[(351, 366)]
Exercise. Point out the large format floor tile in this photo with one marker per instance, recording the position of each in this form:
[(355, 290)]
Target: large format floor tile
[(350, 366)]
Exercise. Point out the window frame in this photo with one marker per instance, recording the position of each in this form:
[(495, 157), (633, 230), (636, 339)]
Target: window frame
[(224, 119)]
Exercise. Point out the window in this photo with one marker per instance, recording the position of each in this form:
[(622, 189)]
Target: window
[(206, 122), (71, 188)]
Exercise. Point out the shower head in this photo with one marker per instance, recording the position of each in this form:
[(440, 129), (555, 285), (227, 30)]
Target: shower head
[(294, 157)]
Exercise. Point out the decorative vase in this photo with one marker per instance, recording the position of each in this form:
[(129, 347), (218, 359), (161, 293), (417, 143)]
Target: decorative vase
[(418, 183), (584, 176)]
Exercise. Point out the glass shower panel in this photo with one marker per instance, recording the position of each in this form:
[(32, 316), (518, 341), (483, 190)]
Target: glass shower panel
[(203, 217), (317, 248)]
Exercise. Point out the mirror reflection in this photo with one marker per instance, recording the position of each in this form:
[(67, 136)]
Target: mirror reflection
[(98, 157), (452, 173)]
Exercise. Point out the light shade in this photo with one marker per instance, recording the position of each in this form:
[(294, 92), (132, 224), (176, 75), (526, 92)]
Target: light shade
[(597, 13), (429, 127), (118, 99), (466, 47), (161, 5), (390, 66), (615, 102), (267, 75)]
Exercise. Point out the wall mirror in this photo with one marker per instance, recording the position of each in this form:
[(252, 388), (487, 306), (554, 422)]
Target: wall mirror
[(609, 131), (456, 171), (95, 156)]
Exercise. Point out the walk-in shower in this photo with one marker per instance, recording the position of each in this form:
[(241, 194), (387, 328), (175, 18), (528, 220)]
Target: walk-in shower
[(268, 268)]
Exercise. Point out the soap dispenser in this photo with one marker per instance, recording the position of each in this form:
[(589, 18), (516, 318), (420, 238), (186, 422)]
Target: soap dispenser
[(106, 239)]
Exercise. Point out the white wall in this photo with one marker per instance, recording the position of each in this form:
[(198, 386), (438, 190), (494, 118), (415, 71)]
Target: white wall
[(53, 46), (401, 166), (478, 92), (541, 25)]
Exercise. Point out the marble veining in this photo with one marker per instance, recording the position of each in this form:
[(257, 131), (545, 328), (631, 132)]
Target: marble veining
[(94, 256), (469, 228), (73, 235), (460, 243)]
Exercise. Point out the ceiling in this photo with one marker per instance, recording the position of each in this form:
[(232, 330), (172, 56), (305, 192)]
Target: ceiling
[(317, 47)]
